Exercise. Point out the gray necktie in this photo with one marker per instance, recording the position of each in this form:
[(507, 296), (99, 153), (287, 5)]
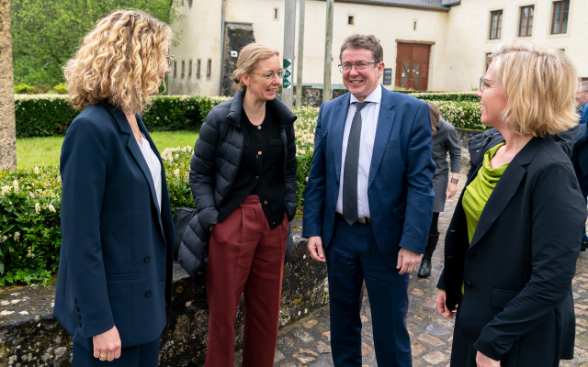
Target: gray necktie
[(351, 167)]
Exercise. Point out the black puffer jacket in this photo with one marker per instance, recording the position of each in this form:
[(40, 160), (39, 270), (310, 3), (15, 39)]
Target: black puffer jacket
[(214, 165)]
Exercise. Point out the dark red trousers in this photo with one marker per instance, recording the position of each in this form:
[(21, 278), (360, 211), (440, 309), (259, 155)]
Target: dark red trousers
[(245, 255)]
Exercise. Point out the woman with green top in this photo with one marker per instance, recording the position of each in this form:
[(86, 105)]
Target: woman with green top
[(512, 244)]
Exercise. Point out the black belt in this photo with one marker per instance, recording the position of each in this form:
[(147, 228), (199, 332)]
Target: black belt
[(361, 220)]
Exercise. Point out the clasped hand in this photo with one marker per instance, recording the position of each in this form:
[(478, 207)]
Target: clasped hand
[(107, 346)]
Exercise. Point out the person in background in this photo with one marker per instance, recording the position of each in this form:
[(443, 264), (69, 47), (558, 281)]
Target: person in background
[(513, 242), (370, 189), (444, 141), (580, 156), (243, 178), (115, 267)]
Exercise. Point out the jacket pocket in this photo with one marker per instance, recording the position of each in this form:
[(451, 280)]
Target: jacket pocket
[(275, 149), (500, 297), (117, 277), (398, 212)]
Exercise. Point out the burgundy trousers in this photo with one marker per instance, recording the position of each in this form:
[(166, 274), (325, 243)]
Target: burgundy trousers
[(245, 255)]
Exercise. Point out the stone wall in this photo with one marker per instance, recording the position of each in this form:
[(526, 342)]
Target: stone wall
[(31, 336)]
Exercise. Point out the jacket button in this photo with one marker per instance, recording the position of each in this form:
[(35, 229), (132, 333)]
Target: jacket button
[(80, 324), (273, 223), (259, 153), (469, 285), (259, 128), (78, 308), (79, 317), (265, 202), (257, 177), (472, 255), (146, 259), (148, 294)]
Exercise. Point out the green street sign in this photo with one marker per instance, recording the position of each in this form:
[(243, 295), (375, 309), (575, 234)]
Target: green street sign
[(287, 63), (286, 84), (287, 74)]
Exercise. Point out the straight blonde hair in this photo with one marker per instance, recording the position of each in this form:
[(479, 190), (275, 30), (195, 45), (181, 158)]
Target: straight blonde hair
[(119, 61), (249, 56), (540, 86)]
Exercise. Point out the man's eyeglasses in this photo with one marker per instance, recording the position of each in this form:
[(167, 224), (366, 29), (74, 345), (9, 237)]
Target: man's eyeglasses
[(483, 85), (170, 59), (345, 68), (270, 75)]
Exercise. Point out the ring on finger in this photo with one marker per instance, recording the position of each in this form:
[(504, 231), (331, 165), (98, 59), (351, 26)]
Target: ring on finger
[(101, 357)]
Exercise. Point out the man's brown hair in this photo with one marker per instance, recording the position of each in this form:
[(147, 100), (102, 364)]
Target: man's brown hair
[(360, 41)]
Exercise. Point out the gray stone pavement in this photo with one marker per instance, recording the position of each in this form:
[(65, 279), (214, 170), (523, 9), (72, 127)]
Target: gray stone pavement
[(307, 343)]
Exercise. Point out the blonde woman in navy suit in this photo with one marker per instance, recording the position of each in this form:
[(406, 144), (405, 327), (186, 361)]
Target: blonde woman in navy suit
[(116, 254)]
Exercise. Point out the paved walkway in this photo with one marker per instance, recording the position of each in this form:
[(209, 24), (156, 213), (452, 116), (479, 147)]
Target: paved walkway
[(307, 343)]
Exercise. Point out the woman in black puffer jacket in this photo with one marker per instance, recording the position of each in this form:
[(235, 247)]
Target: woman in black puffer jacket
[(243, 178)]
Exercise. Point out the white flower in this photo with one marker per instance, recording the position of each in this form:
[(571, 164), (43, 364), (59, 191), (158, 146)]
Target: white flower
[(36, 170), (51, 208), (16, 236), (177, 172), (37, 208), (15, 185), (6, 190), (306, 310), (4, 238)]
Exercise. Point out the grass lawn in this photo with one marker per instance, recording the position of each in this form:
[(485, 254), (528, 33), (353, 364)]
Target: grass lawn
[(34, 152)]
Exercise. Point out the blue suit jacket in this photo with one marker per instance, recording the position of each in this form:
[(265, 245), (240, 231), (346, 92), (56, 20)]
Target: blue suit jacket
[(400, 185), (115, 267)]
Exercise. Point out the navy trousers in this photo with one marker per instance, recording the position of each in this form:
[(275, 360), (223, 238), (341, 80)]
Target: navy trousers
[(353, 256), (583, 181), (144, 355)]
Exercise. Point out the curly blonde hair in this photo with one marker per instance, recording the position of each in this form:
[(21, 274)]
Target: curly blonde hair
[(540, 86), (119, 61)]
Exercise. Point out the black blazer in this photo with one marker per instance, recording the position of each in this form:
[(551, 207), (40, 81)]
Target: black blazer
[(518, 270), (115, 267)]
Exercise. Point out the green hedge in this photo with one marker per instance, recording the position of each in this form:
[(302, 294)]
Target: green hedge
[(448, 97), (30, 206), (49, 115)]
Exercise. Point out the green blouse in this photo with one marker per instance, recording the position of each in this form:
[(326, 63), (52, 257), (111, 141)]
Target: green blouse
[(479, 190)]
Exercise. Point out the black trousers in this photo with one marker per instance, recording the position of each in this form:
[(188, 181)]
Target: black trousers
[(144, 355)]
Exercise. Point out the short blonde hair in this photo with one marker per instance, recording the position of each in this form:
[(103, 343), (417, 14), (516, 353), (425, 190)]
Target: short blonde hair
[(435, 116), (119, 61), (540, 86), (249, 56)]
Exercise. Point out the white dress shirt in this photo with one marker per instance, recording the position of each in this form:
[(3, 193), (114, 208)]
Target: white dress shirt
[(369, 125), (154, 167)]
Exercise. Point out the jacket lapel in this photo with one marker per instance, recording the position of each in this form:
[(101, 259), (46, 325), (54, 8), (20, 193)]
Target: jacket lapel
[(505, 189), (385, 121), (337, 131)]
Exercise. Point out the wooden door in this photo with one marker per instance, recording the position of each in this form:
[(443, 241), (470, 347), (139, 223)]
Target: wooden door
[(412, 66)]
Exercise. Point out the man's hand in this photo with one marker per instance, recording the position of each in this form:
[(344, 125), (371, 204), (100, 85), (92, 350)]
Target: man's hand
[(408, 261), (442, 306), (107, 345), (483, 361), (315, 247), (451, 190)]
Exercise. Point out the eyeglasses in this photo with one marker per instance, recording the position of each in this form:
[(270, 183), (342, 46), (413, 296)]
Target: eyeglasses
[(345, 68), (170, 59), (270, 75), (483, 85)]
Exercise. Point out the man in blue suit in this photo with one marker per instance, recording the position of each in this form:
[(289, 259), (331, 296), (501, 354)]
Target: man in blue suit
[(369, 203)]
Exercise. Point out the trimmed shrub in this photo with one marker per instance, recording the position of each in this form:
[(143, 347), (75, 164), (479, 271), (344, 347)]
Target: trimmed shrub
[(447, 97), (462, 115), (49, 115)]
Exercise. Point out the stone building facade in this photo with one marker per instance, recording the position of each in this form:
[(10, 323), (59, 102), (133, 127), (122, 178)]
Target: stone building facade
[(436, 45)]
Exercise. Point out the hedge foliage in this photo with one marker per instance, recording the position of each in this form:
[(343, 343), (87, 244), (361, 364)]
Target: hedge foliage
[(49, 115), (30, 206)]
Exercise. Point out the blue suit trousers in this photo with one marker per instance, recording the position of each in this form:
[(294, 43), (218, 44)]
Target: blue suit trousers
[(353, 256), (144, 355)]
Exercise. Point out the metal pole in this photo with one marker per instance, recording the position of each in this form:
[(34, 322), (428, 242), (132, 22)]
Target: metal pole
[(7, 119), (328, 51), (300, 54), (289, 39), (222, 53)]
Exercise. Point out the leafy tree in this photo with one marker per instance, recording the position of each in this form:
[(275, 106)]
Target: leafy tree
[(46, 33)]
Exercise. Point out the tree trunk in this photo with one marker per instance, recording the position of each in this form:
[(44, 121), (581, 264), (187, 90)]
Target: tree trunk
[(7, 119)]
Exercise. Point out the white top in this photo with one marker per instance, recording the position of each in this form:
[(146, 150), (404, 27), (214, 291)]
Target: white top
[(154, 167), (369, 124)]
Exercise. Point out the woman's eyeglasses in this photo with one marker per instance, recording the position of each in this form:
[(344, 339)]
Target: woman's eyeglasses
[(270, 75), (483, 85), (170, 59)]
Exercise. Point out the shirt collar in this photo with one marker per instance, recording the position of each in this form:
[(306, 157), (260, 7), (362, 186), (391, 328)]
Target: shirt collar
[(374, 97)]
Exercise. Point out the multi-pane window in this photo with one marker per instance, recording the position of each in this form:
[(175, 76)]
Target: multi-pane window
[(526, 21), (561, 10), (495, 24)]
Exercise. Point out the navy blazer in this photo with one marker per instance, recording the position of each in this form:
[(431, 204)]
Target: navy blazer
[(400, 183), (115, 267)]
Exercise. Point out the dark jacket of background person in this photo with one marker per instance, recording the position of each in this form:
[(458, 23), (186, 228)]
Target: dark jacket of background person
[(580, 155), (478, 145), (518, 270), (444, 140), (214, 165), (115, 267)]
